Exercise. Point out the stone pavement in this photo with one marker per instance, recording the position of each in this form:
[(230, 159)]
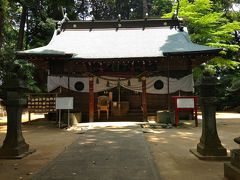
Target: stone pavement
[(111, 153)]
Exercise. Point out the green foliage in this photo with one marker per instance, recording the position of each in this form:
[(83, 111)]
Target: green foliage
[(3, 6), (209, 26), (235, 86), (205, 25), (41, 34), (224, 63), (160, 7), (212, 23), (7, 65), (110, 9), (6, 60), (27, 69), (3, 14), (222, 5), (7, 52)]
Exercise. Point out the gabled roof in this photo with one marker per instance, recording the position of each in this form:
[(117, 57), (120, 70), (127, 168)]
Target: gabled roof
[(124, 42)]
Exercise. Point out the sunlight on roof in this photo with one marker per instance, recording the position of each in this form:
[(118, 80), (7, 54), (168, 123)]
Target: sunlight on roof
[(236, 7)]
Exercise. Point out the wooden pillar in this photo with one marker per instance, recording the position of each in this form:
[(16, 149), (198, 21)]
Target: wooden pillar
[(168, 86), (144, 98), (91, 100), (132, 68)]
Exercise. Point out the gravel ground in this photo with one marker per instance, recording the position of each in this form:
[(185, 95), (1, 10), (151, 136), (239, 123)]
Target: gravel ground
[(169, 148)]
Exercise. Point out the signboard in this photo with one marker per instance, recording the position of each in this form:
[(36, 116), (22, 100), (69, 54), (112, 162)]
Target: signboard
[(185, 103), (64, 102)]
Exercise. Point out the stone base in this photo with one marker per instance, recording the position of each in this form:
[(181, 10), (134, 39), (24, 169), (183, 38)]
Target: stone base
[(210, 150), (235, 158), (209, 158), (4, 156), (231, 172)]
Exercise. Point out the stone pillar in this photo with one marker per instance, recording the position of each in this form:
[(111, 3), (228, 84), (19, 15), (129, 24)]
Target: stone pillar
[(91, 100), (14, 145), (232, 169), (209, 147), (144, 98)]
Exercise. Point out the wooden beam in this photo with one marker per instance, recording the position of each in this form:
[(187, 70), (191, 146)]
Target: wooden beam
[(138, 23), (144, 98), (91, 100)]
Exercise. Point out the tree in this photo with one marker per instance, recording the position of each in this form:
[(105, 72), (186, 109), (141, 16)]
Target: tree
[(209, 27), (145, 7), (222, 5), (213, 25), (3, 12), (161, 7), (20, 42)]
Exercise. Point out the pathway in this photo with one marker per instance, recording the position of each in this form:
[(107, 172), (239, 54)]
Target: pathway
[(104, 153)]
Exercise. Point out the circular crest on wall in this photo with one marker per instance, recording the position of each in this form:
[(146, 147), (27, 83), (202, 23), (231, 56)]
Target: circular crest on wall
[(79, 86), (158, 84)]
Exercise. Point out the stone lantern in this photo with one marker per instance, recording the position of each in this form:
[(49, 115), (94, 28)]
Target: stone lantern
[(209, 147), (232, 169), (14, 145)]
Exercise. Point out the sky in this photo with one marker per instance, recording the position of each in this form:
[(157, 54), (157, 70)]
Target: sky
[(236, 7)]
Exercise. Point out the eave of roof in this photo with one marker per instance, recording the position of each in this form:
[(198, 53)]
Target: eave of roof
[(119, 40), (119, 24), (24, 54), (214, 51)]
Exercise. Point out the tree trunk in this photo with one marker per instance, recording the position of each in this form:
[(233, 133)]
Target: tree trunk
[(1, 27), (145, 8), (27, 32), (21, 28)]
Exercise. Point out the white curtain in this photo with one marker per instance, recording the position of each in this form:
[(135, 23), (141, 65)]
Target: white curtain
[(56, 81), (185, 84), (104, 83)]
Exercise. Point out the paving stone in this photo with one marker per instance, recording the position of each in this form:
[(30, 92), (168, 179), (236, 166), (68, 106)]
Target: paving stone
[(104, 154)]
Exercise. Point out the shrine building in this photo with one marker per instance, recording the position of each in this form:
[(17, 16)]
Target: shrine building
[(137, 64)]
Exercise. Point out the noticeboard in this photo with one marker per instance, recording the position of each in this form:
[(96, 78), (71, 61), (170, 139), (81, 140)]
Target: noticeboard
[(41, 102), (185, 103), (64, 103)]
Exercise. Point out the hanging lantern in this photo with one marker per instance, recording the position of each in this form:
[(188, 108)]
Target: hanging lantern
[(108, 84), (139, 79), (97, 80), (129, 82)]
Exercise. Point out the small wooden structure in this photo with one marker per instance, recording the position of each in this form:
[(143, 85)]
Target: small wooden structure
[(142, 63)]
